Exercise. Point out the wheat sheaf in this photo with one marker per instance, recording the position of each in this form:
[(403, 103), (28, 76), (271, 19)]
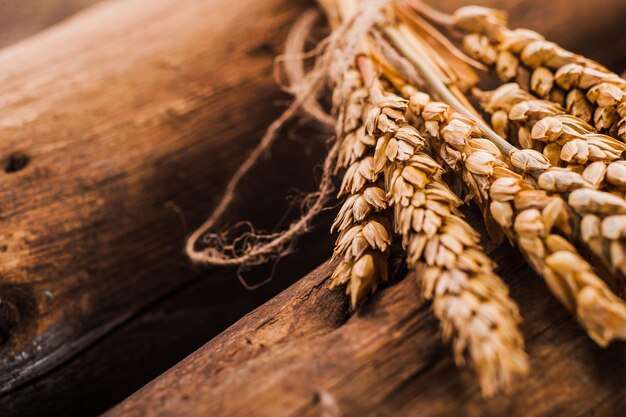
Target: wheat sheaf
[(541, 155)]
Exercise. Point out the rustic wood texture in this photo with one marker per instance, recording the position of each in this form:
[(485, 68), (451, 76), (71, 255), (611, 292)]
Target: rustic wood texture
[(119, 127), (129, 118), (20, 19), (301, 354)]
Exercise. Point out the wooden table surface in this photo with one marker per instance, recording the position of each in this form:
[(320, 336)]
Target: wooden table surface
[(149, 306)]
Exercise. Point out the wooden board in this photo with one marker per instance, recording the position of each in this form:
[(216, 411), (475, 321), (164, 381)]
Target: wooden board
[(131, 116), (119, 117), (302, 354), (19, 19)]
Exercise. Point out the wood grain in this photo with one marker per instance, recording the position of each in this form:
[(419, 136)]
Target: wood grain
[(20, 19), (301, 354), (130, 117), (125, 117)]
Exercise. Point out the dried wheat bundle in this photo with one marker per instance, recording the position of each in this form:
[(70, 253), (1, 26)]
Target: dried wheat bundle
[(566, 183), (592, 207), (569, 142), (535, 210), (529, 216), (587, 89), (469, 299)]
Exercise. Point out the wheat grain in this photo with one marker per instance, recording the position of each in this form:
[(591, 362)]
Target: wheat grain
[(471, 302), (591, 91), (532, 218), (469, 299), (363, 222), (365, 229), (565, 140), (568, 141)]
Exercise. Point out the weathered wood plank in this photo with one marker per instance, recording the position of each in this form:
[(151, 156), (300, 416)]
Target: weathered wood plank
[(302, 355), (166, 331), (118, 112), (127, 116), (19, 20)]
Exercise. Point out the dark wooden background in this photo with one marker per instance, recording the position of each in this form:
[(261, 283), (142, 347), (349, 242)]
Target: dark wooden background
[(20, 19), (183, 318)]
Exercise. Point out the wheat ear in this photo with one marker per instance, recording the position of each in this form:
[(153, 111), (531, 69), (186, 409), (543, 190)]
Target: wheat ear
[(363, 223), (471, 302), (587, 89), (469, 299), (566, 140), (365, 228), (531, 217), (573, 143), (594, 205)]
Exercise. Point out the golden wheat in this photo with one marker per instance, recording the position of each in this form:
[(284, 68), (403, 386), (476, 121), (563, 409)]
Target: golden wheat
[(469, 299), (565, 140), (574, 144), (566, 183), (363, 223), (587, 89), (472, 303), (531, 217), (570, 185)]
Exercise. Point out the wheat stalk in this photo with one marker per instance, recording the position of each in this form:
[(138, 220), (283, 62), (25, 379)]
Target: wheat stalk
[(469, 299), (587, 89), (531, 217), (568, 141), (565, 140), (364, 236), (364, 226)]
